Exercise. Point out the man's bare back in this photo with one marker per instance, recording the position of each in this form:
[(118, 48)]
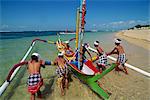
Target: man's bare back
[(34, 67)]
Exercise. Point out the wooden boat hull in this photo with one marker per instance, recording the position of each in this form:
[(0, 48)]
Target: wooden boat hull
[(91, 80)]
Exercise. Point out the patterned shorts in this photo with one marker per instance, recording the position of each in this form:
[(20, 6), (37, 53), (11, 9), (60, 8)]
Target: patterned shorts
[(34, 79), (121, 58), (103, 60), (62, 71)]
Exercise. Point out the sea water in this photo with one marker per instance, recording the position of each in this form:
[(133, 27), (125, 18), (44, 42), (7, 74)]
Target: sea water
[(13, 46)]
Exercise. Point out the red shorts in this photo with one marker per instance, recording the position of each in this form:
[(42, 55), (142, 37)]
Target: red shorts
[(33, 89)]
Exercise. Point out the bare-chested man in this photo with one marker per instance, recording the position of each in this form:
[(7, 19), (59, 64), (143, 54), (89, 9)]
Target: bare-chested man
[(83, 50), (62, 72), (121, 55), (102, 57), (35, 80)]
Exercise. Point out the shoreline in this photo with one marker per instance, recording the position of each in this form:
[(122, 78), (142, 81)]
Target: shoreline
[(140, 38)]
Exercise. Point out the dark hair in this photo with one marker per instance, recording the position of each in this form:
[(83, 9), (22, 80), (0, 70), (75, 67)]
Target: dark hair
[(119, 39), (85, 44), (95, 45), (97, 41), (68, 45), (117, 44), (61, 56), (33, 57)]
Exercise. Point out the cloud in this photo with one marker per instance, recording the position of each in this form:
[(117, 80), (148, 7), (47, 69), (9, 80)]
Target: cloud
[(128, 23), (117, 23), (131, 22), (122, 24)]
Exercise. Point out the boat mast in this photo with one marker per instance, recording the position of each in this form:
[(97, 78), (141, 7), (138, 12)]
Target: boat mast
[(77, 27), (82, 13)]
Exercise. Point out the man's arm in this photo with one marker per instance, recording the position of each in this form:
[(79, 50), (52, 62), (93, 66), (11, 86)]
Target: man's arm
[(43, 63), (55, 62), (89, 54), (113, 51)]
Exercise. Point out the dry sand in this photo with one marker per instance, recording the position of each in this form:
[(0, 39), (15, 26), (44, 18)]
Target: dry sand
[(137, 37)]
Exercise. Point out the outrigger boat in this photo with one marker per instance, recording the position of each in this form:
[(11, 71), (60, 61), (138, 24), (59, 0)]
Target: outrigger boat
[(89, 74)]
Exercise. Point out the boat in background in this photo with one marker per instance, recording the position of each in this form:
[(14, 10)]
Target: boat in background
[(67, 32), (94, 30)]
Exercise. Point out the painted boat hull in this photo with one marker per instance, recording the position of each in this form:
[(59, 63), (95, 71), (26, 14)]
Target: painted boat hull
[(91, 80)]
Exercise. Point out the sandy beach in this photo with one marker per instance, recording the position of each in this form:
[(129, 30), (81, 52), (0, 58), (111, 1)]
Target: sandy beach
[(138, 37)]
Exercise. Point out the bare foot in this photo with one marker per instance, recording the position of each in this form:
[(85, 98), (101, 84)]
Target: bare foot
[(62, 93)]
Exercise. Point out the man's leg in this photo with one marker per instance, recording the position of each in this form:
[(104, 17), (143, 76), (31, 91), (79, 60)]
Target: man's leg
[(62, 87), (117, 67), (32, 96), (66, 81), (39, 94), (82, 62), (125, 68), (99, 68), (103, 67)]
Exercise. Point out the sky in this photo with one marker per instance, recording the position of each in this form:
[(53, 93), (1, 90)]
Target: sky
[(45, 15)]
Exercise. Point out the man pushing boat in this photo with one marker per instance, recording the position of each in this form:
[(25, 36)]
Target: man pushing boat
[(102, 57), (118, 49), (35, 80), (62, 71), (83, 50)]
